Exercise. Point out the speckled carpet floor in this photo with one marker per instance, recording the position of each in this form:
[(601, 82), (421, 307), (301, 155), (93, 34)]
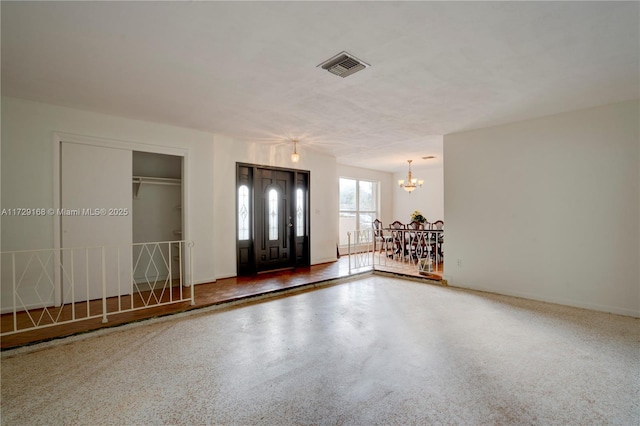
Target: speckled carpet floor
[(373, 351)]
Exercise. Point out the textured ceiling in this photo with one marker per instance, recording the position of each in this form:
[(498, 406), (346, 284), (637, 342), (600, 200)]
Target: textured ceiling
[(248, 70)]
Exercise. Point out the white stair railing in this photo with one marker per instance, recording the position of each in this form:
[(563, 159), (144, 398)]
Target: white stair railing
[(411, 247), (360, 249), (49, 287)]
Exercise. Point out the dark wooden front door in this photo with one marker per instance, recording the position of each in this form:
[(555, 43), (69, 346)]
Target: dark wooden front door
[(273, 218)]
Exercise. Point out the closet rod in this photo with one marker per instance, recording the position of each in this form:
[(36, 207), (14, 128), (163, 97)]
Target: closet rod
[(156, 180)]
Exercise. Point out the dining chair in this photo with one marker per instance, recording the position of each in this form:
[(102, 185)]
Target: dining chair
[(439, 239), (397, 237), (417, 241), (415, 225), (379, 237), (411, 238)]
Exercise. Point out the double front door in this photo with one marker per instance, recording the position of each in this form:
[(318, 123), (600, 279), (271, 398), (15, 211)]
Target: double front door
[(272, 219)]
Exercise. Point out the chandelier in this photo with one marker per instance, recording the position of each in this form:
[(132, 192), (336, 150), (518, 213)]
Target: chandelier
[(295, 157), (411, 183)]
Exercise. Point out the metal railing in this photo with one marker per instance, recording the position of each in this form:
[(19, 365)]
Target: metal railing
[(360, 249), (402, 250), (44, 288), (415, 247)]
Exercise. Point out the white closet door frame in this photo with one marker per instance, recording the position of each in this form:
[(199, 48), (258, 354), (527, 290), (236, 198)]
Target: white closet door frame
[(59, 137)]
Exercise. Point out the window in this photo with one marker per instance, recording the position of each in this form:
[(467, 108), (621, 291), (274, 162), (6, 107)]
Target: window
[(273, 215), (299, 213), (243, 213), (358, 206)]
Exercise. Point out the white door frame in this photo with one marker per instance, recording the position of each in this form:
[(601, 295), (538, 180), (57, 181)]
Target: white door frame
[(59, 137)]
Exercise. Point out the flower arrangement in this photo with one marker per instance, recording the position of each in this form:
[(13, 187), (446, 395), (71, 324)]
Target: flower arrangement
[(417, 216)]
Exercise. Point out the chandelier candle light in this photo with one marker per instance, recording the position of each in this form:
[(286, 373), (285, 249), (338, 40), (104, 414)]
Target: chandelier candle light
[(411, 183)]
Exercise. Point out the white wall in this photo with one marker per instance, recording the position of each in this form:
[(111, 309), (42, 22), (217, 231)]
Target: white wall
[(27, 179), (429, 199), (548, 209), (157, 213), (27, 170), (323, 203)]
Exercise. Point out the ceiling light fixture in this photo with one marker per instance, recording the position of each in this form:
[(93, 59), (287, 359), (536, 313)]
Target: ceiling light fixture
[(411, 183), (295, 157)]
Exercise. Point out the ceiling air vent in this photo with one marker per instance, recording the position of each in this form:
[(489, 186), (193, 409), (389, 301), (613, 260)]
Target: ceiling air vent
[(343, 65)]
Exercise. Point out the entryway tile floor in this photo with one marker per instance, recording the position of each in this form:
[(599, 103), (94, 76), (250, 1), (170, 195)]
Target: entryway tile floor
[(219, 292)]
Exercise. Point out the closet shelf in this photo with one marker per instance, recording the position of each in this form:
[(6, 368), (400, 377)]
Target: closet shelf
[(139, 180)]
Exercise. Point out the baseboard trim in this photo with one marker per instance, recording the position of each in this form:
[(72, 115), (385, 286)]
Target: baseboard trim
[(325, 260), (560, 301), (207, 280)]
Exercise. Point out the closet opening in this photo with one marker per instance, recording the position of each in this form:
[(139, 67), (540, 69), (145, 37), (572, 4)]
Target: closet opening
[(157, 217)]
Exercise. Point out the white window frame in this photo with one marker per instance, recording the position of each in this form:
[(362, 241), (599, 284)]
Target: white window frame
[(375, 213)]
